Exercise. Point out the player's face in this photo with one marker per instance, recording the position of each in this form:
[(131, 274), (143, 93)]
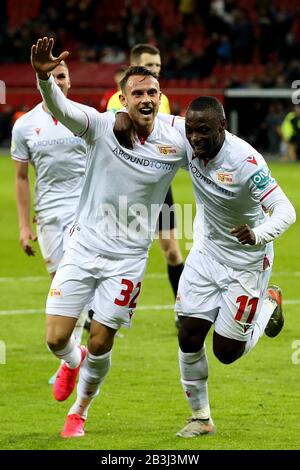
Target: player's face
[(142, 100), (151, 62), (62, 78), (205, 132)]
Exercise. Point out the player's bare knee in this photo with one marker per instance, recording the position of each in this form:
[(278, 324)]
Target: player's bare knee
[(56, 342), (225, 357), (188, 343), (98, 345)]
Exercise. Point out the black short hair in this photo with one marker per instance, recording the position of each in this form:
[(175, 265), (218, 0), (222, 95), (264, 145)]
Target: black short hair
[(135, 70), (207, 103)]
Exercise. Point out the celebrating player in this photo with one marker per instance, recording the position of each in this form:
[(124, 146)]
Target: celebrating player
[(148, 56), (115, 221), (226, 273)]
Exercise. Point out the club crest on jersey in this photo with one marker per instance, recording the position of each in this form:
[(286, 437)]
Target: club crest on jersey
[(166, 150), (37, 130), (55, 293), (262, 178), (226, 178)]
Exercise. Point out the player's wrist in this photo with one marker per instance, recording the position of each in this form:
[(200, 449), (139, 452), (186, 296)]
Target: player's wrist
[(43, 76)]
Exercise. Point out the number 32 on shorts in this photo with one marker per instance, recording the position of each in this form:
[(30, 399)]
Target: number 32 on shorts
[(126, 294)]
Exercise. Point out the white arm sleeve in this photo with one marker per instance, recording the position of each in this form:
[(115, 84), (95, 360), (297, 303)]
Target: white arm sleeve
[(63, 109), (282, 216)]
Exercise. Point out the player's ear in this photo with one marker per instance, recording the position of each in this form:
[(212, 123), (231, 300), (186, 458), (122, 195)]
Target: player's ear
[(123, 100), (223, 123)]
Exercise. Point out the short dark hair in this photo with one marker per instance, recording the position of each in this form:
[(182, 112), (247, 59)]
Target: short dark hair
[(135, 70), (140, 49), (207, 103)]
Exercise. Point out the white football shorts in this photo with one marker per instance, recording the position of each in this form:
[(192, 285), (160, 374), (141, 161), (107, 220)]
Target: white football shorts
[(229, 298), (114, 284), (53, 237)]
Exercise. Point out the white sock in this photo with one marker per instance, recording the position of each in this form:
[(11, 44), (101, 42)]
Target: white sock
[(78, 330), (81, 407), (71, 354), (194, 374), (264, 316), (92, 373)]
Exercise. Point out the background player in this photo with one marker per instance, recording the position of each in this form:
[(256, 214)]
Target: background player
[(58, 158)]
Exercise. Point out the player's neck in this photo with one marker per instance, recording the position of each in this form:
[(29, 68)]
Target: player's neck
[(144, 132)]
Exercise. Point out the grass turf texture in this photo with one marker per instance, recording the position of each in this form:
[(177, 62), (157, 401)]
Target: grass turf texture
[(255, 401)]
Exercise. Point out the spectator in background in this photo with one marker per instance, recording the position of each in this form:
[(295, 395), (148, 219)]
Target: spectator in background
[(273, 122), (290, 130), (23, 109)]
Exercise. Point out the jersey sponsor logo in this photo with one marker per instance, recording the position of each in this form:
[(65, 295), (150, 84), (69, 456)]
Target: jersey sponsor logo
[(226, 178), (262, 178), (252, 160), (60, 141), (166, 149), (55, 293), (37, 130), (143, 161)]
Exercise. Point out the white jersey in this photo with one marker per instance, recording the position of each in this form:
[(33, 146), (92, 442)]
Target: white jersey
[(58, 157), (234, 188), (124, 189)]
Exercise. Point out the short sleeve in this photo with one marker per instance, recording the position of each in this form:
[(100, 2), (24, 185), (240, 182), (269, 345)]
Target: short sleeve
[(19, 149)]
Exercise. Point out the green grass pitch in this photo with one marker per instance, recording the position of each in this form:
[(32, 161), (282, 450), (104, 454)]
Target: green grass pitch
[(255, 402)]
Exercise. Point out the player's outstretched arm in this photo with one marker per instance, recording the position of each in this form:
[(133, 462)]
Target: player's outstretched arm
[(42, 59), (63, 109)]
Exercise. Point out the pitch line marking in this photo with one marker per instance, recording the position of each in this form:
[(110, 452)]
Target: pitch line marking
[(149, 276), (147, 308)]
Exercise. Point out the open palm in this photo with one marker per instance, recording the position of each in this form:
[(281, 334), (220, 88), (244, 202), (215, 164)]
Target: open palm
[(42, 59)]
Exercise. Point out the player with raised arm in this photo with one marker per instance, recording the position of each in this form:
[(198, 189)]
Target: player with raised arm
[(115, 222), (58, 158), (148, 56)]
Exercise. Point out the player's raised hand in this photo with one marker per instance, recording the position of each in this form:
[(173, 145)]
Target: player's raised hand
[(244, 234), (42, 59)]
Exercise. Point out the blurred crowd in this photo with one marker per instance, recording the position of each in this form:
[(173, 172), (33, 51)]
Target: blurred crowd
[(198, 39), (193, 35)]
